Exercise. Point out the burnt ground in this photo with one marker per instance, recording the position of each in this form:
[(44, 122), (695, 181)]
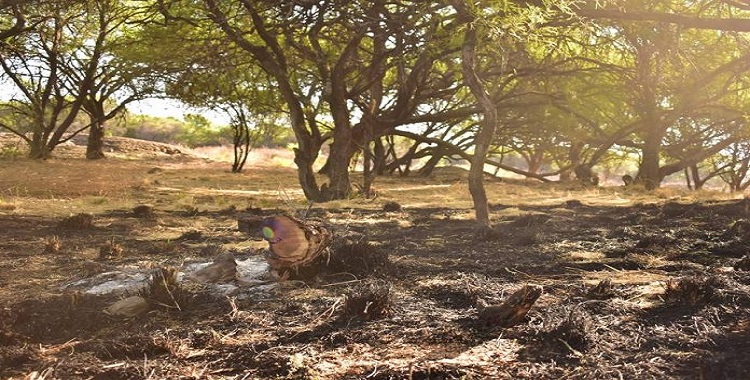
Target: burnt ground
[(676, 306)]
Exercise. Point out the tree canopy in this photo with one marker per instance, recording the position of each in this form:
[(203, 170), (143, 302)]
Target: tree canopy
[(544, 89)]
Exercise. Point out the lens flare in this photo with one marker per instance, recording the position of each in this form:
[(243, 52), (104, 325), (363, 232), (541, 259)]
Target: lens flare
[(268, 233)]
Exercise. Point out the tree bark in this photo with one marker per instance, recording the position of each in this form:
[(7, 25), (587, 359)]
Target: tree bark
[(489, 121), (513, 309), (95, 144), (648, 173)]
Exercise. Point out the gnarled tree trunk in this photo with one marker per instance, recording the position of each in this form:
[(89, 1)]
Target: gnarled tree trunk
[(487, 129)]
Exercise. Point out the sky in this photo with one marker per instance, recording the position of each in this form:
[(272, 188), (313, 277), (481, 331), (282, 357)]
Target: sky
[(175, 109), (151, 107)]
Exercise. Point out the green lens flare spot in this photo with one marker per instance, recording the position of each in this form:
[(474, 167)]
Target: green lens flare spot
[(268, 232)]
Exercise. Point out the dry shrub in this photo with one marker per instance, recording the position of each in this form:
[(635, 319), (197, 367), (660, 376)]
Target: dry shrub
[(574, 331), (82, 221), (52, 244), (391, 207), (368, 302), (110, 250), (358, 258), (212, 250), (603, 290), (143, 211), (743, 264), (691, 291), (164, 291), (527, 238), (530, 220)]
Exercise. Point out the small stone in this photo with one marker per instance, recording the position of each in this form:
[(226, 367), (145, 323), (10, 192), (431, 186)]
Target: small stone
[(128, 307)]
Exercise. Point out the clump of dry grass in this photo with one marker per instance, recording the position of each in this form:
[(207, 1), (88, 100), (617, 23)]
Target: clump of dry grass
[(110, 250), (743, 264), (391, 206), (369, 302), (164, 291), (603, 290), (52, 244), (358, 258), (530, 220), (692, 291), (212, 250), (143, 211), (82, 221)]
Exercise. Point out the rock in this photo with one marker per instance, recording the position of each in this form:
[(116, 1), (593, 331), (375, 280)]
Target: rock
[(223, 269), (128, 307)]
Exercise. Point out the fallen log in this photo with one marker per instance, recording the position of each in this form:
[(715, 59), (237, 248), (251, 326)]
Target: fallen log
[(513, 309), (294, 243)]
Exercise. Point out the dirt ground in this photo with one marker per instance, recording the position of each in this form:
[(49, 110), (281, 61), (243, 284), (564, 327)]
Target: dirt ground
[(635, 285)]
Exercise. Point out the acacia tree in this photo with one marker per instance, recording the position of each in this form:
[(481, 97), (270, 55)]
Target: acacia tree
[(664, 59), (120, 77), (34, 62), (219, 75), (489, 115), (71, 61), (334, 62), (735, 166)]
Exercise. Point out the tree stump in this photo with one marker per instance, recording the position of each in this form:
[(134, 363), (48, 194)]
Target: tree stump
[(294, 243), (513, 309)]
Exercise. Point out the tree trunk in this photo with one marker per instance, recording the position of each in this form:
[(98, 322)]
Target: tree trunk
[(378, 156), (698, 182), (38, 145), (368, 171), (687, 179), (304, 159), (574, 156), (427, 169), (535, 161), (648, 172), (95, 144), (241, 146), (487, 127), (585, 174), (37, 152)]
